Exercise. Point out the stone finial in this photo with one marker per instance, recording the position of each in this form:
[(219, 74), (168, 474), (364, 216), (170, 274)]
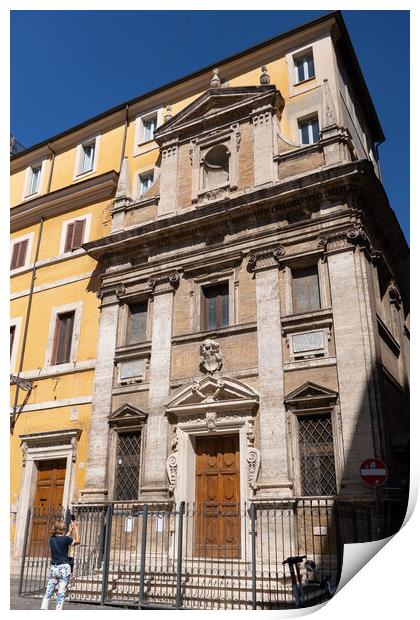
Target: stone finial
[(168, 114), (123, 187), (215, 80), (264, 77), (329, 117)]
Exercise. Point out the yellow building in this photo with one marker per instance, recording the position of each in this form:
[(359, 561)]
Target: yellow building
[(104, 177)]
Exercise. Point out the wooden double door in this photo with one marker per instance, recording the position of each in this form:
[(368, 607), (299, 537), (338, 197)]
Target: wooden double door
[(217, 483), (48, 503)]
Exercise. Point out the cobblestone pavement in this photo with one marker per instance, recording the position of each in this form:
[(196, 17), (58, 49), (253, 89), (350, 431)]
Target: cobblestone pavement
[(18, 602)]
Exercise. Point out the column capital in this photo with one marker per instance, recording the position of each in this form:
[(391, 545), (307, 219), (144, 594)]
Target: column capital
[(346, 239), (166, 283), (110, 295), (265, 259)]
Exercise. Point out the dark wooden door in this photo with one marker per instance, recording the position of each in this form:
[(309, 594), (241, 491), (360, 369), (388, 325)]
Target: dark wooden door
[(217, 521), (48, 503)]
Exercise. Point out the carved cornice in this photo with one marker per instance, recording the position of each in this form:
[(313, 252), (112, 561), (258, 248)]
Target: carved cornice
[(164, 283), (265, 259)]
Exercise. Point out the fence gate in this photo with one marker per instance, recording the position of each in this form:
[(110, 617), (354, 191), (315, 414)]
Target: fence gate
[(198, 557)]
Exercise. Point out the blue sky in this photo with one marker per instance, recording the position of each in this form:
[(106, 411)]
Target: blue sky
[(67, 66)]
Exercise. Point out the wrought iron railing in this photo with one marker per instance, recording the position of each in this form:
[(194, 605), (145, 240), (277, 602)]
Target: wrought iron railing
[(199, 556)]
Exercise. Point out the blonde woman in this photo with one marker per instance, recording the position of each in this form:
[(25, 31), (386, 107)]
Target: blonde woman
[(60, 566)]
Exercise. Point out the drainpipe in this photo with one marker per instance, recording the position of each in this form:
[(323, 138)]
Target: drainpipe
[(52, 167), (25, 331), (124, 137)]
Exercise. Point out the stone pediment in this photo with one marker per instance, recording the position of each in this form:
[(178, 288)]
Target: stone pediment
[(127, 415), (214, 103), (310, 395), (211, 392)]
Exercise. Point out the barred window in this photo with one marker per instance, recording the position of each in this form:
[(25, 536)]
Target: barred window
[(127, 471), (316, 452)]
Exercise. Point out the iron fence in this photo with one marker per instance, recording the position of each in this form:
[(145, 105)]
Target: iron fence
[(193, 556)]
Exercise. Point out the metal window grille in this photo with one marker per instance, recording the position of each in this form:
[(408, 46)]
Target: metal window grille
[(316, 448), (128, 466)]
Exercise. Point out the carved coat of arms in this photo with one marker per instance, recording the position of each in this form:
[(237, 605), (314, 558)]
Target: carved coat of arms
[(210, 356)]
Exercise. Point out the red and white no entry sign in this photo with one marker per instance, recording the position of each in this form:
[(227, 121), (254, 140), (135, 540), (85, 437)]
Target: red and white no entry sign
[(373, 472)]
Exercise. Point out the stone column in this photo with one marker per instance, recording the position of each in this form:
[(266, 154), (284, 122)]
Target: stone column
[(154, 479), (275, 481), (96, 469), (168, 179), (352, 365), (263, 145)]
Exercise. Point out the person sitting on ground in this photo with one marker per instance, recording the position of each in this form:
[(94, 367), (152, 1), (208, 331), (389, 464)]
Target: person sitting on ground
[(60, 564)]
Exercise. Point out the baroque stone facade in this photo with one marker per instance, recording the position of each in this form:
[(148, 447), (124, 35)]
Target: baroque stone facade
[(265, 301)]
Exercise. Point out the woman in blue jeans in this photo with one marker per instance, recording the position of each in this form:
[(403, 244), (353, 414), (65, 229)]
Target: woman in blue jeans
[(60, 568)]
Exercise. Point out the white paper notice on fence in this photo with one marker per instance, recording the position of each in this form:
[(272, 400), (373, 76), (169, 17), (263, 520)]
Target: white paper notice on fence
[(129, 524)]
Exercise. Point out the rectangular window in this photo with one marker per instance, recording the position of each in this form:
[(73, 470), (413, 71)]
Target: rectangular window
[(146, 181), (127, 470), (87, 157), (316, 455), (12, 338), (309, 130), (19, 254), (74, 235), (149, 126), (215, 307), (304, 66), (34, 179), (305, 290), (63, 338), (137, 322)]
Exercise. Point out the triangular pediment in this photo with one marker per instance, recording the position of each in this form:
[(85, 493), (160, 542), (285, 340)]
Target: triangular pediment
[(217, 392), (213, 103), (310, 392), (127, 413)]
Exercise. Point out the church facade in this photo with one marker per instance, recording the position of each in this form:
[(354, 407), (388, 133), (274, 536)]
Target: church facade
[(252, 295)]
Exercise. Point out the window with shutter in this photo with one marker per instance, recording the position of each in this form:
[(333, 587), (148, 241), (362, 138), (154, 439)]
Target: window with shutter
[(215, 306), (63, 338), (305, 289), (136, 322), (74, 235), (19, 254)]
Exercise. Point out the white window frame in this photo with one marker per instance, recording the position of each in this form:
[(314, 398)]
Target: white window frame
[(77, 308), (16, 322), (136, 180), (41, 163), (307, 119), (141, 146), (30, 238), (299, 56), (78, 173), (142, 177), (88, 220)]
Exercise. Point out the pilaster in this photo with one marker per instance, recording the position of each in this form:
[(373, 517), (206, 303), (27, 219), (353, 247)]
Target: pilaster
[(263, 144), (154, 479), (168, 178), (96, 470), (353, 352), (275, 481)]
